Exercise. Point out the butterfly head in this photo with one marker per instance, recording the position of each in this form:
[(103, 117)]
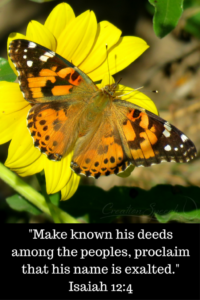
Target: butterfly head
[(110, 89)]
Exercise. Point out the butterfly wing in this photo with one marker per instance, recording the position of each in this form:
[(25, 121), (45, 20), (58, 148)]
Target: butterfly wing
[(59, 91), (149, 138), (54, 127), (46, 76)]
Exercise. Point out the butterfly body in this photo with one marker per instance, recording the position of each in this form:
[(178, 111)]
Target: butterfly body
[(70, 112)]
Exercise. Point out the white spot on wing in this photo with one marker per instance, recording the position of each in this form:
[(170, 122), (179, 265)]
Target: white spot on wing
[(176, 149), (24, 56), (184, 137), (32, 45), (29, 63), (168, 148), (181, 145), (25, 50), (43, 58), (167, 126), (166, 133), (50, 54)]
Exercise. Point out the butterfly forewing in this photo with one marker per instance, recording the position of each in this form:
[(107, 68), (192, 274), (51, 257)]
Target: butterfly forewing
[(151, 139), (45, 76)]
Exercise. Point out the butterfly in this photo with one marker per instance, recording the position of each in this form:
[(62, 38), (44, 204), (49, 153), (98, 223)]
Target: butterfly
[(69, 112)]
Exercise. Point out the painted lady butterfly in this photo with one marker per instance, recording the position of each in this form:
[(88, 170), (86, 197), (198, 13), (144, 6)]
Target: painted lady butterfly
[(70, 112)]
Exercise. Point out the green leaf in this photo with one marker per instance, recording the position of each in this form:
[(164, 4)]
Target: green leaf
[(6, 73), (162, 201), (167, 14), (18, 203), (192, 25)]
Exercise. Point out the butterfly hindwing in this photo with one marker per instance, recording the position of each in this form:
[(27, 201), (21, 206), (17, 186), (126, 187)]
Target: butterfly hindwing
[(45, 76), (51, 124), (100, 151)]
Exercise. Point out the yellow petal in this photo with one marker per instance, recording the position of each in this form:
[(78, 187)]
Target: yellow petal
[(59, 18), (119, 57), (40, 34), (14, 36), (107, 36), (12, 109), (11, 99), (35, 167), (57, 173), (136, 97), (9, 124), (78, 37), (68, 191), (21, 151)]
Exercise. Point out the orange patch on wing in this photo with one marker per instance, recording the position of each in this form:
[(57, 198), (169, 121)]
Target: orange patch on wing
[(58, 137), (102, 159), (144, 123), (130, 115), (146, 146), (152, 137), (119, 153), (39, 81), (47, 72), (54, 144), (37, 93), (64, 72), (61, 90), (77, 81), (129, 132), (137, 154), (51, 114)]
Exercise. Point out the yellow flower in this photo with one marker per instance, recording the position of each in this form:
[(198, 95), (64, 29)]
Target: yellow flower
[(82, 41)]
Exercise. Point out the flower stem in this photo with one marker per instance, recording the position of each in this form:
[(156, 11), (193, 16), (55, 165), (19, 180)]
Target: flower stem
[(48, 201), (33, 196)]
